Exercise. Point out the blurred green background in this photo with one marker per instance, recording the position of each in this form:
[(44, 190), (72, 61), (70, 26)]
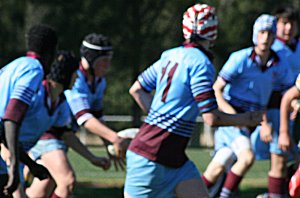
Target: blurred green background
[(139, 29)]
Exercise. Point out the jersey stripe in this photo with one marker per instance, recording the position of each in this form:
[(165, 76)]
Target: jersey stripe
[(171, 123), (23, 93)]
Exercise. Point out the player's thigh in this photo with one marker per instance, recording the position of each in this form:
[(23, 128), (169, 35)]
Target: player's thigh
[(193, 188), (57, 163)]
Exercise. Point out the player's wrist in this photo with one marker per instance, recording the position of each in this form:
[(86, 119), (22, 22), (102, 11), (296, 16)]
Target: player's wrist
[(116, 139)]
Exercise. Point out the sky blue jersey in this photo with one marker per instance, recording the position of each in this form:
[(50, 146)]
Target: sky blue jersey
[(182, 79), (40, 117), (291, 55), (249, 85), (20, 80), (83, 100)]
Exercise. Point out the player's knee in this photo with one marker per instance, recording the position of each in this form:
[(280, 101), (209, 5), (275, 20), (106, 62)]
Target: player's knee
[(225, 157), (68, 181), (246, 158)]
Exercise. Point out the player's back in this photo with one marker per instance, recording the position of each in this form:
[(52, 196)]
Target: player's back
[(183, 79), (181, 75), (23, 75)]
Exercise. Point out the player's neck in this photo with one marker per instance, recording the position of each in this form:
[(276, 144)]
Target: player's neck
[(54, 90), (263, 54)]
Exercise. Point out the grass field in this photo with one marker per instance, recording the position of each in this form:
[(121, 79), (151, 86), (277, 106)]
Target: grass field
[(94, 182)]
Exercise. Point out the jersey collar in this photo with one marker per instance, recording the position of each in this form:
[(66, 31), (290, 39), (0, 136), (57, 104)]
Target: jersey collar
[(272, 60)]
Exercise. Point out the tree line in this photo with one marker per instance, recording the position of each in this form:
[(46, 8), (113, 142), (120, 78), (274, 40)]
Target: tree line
[(139, 29)]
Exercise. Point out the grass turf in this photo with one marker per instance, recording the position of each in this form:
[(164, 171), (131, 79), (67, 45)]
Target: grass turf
[(94, 182)]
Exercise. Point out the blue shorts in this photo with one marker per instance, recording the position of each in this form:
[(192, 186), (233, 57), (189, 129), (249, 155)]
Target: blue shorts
[(45, 146), (232, 137), (146, 178), (261, 149)]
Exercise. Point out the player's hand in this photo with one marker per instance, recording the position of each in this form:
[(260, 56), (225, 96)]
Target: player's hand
[(39, 171), (254, 118), (120, 147), (102, 162), (119, 163), (266, 132), (284, 141), (13, 179)]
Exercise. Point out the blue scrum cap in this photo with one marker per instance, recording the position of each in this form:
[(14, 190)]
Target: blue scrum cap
[(263, 22)]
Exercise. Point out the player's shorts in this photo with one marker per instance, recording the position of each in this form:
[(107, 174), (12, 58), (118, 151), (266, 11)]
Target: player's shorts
[(45, 146), (146, 178), (235, 138), (261, 149)]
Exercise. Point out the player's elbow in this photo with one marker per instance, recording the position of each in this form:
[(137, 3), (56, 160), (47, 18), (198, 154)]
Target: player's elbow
[(212, 118), (134, 88)]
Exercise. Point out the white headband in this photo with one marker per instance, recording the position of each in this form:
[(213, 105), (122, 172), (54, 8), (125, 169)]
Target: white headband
[(95, 47)]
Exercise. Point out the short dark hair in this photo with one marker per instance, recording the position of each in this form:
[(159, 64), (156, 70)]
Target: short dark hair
[(286, 11), (64, 66), (42, 39)]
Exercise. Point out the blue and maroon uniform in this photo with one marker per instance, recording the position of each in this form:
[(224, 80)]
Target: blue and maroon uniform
[(41, 116), (84, 99), (249, 87), (182, 79), (20, 80), (291, 54)]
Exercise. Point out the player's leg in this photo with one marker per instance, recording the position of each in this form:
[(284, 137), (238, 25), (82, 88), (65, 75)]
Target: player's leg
[(222, 159), (188, 182), (40, 188), (277, 176), (53, 156), (193, 188), (245, 158), (61, 170)]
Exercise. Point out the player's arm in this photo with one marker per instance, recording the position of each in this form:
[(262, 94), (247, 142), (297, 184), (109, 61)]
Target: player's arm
[(222, 103), (11, 141), (13, 116), (284, 138), (266, 129), (143, 98), (36, 169), (72, 141), (219, 118)]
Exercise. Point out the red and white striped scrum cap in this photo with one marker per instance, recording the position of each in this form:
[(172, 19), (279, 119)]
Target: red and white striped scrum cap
[(200, 20)]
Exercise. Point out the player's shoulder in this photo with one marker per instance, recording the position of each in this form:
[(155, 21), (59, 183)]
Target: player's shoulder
[(278, 45), (24, 65), (245, 52)]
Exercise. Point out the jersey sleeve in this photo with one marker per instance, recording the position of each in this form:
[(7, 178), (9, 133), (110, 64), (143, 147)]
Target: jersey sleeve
[(230, 69), (147, 79), (201, 83), (27, 84), (79, 105)]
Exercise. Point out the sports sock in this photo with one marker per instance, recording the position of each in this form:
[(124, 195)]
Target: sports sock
[(277, 186), (207, 183), (55, 195), (231, 183)]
